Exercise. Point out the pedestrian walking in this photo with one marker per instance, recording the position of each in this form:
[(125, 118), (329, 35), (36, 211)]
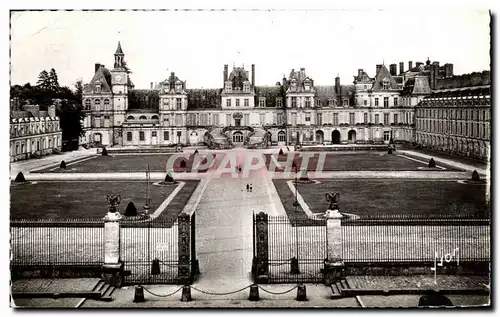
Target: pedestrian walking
[(248, 187)]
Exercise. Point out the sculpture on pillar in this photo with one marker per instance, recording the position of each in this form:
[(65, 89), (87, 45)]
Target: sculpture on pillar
[(113, 201), (333, 200)]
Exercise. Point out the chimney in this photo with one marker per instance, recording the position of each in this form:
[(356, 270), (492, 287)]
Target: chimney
[(448, 70), (393, 69), (401, 67), (379, 67), (337, 85), (225, 75), (360, 72), (253, 75), (97, 65), (410, 65)]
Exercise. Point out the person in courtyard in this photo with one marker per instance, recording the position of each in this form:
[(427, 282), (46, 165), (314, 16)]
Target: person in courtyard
[(248, 188)]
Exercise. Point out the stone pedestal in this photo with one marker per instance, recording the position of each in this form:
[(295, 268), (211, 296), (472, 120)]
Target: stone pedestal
[(112, 270), (333, 264)]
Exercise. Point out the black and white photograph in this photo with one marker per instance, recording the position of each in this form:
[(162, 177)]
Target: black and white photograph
[(250, 158)]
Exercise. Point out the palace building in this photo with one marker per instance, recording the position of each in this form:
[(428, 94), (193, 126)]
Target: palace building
[(241, 113)]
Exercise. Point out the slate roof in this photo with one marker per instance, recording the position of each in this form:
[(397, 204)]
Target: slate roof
[(143, 99), (384, 75), (119, 49), (364, 78), (204, 98), (21, 114), (270, 93), (104, 77), (325, 93), (238, 76)]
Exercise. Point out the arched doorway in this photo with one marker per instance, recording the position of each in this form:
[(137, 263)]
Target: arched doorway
[(351, 136), (319, 137), (237, 137), (97, 139), (336, 137), (281, 136)]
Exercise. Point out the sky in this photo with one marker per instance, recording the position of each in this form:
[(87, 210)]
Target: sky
[(196, 44)]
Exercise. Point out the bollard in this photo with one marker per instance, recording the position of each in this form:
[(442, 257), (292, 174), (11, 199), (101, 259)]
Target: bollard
[(186, 294), (139, 295), (254, 293), (294, 266), (301, 293), (155, 267)]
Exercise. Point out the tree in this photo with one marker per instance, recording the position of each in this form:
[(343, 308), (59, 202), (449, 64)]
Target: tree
[(43, 80), (79, 91), (53, 80), (70, 117)]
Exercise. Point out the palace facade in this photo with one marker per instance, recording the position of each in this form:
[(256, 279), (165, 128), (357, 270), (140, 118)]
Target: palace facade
[(241, 113)]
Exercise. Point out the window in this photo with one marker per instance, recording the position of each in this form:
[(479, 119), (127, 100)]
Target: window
[(228, 119), (246, 87), (142, 118), (345, 102), (331, 102), (237, 102), (281, 136), (141, 135), (279, 102), (365, 117), (98, 121), (106, 102), (246, 119), (153, 134), (319, 118), (97, 89), (294, 102), (308, 102), (385, 84), (351, 118), (178, 103), (335, 119), (106, 122), (215, 119), (262, 118), (280, 119), (228, 102), (129, 136), (228, 86), (166, 135), (308, 117), (97, 102), (396, 118), (294, 118), (386, 102), (317, 103), (365, 102), (246, 102), (87, 104), (262, 102), (155, 117), (376, 102), (178, 119), (395, 101), (377, 118), (178, 87), (387, 135)]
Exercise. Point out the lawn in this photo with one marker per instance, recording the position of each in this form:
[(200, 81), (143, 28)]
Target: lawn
[(126, 163), (355, 161), (388, 197), (86, 200)]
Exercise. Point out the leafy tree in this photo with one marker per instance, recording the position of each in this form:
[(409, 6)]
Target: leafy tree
[(43, 80), (79, 91), (70, 117), (53, 80)]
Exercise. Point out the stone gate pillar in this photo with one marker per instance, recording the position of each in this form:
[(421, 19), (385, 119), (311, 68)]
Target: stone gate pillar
[(333, 264), (184, 247), (112, 270), (262, 254)]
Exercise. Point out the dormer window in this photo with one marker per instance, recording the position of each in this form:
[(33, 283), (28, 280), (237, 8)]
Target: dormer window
[(246, 87), (294, 85), (262, 102), (228, 86), (178, 86), (307, 85), (98, 88), (385, 84)]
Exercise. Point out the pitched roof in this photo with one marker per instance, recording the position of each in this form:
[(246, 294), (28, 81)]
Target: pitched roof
[(119, 49), (204, 98), (421, 85), (103, 76), (382, 76), (325, 92), (270, 93), (143, 99), (238, 76)]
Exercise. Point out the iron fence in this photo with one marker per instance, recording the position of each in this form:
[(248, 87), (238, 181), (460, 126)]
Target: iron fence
[(297, 249), (57, 242), (150, 251)]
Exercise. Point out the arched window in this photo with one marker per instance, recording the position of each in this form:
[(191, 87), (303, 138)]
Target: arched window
[(130, 118), (87, 104), (142, 118), (155, 117), (106, 102), (97, 102), (281, 136)]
